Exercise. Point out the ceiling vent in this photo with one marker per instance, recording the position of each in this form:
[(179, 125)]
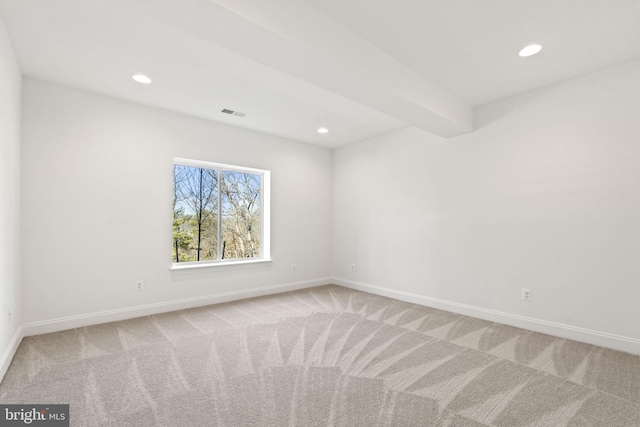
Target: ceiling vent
[(233, 113)]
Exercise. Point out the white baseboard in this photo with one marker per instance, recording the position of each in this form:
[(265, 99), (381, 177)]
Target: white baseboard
[(616, 342), (64, 323), (7, 357)]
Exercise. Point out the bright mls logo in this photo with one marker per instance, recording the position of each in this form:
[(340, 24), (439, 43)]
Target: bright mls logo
[(34, 415)]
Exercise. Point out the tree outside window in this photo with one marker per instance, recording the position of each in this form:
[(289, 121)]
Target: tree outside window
[(217, 213)]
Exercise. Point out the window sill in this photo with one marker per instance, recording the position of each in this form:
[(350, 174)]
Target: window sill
[(190, 266)]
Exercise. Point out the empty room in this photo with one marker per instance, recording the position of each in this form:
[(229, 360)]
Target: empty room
[(320, 213)]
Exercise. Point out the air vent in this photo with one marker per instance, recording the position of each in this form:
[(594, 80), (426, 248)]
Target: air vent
[(233, 113)]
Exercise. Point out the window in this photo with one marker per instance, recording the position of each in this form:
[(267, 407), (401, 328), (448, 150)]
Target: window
[(220, 214)]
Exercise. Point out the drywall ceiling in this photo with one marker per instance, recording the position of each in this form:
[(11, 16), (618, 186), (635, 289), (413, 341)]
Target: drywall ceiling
[(360, 68), (469, 47)]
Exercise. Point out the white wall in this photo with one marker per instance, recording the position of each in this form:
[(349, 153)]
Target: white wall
[(543, 195), (10, 87), (97, 207)]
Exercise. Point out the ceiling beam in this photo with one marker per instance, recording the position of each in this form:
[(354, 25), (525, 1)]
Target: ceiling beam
[(296, 39)]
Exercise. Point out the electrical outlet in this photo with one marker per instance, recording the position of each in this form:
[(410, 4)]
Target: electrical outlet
[(139, 285), (526, 294), (353, 267), (293, 268)]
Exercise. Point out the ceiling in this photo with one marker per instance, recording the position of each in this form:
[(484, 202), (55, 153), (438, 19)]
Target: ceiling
[(360, 68)]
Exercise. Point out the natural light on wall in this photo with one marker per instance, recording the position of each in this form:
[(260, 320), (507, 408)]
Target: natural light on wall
[(220, 214)]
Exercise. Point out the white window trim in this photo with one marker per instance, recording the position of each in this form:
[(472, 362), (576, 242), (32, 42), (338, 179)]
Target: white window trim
[(265, 214), (205, 264)]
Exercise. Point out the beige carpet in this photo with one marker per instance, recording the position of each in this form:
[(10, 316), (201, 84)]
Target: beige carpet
[(326, 356)]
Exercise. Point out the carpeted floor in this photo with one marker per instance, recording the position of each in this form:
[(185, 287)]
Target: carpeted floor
[(326, 356)]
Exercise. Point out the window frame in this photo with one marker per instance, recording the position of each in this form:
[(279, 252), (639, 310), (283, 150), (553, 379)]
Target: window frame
[(265, 214)]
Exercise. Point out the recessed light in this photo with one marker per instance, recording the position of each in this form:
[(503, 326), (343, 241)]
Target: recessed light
[(532, 49), (141, 78), (323, 130)]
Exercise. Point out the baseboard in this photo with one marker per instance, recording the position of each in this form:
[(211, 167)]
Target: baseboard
[(7, 357), (71, 322), (616, 342)]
